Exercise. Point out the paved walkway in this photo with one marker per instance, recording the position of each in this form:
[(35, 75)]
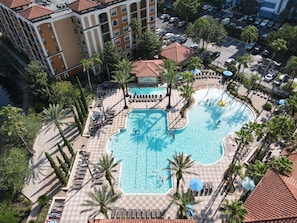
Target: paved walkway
[(44, 181)]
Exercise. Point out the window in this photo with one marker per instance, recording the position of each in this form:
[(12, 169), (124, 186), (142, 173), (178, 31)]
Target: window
[(124, 8), (152, 18), (152, 9), (73, 19), (152, 27), (133, 7), (106, 37), (117, 42), (115, 22), (126, 38), (126, 29), (114, 12), (104, 28), (127, 46), (103, 17), (124, 19), (116, 33), (143, 14)]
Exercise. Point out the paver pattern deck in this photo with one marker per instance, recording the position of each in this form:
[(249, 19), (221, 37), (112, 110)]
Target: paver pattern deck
[(206, 209)]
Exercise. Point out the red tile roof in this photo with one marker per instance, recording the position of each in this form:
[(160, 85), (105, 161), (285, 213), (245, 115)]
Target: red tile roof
[(15, 3), (81, 5), (274, 200), (147, 68), (177, 52), (142, 221), (35, 12)]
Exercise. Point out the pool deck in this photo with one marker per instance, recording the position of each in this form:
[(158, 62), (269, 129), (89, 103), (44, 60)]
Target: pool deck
[(208, 206)]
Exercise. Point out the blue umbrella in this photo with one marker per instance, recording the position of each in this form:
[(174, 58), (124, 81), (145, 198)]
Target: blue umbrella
[(196, 184), (281, 102), (248, 183), (227, 73), (196, 71)]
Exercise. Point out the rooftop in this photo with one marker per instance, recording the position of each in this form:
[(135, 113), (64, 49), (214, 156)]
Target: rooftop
[(147, 68), (177, 52)]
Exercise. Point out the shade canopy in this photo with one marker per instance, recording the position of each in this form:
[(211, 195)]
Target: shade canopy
[(282, 102), (248, 183), (227, 73), (196, 184), (196, 71)]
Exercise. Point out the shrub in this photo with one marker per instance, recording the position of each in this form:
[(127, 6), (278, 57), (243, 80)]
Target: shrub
[(267, 106)]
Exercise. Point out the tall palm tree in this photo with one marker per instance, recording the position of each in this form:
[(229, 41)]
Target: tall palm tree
[(194, 63), (282, 165), (122, 79), (291, 68), (106, 166), (88, 64), (186, 92), (278, 45), (257, 170), (179, 166), (249, 34), (234, 211), (170, 77), (184, 200), (188, 77), (100, 201), (56, 115), (126, 67)]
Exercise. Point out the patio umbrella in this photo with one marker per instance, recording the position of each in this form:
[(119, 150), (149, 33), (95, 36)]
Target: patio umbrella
[(281, 102), (227, 73), (196, 71), (196, 184), (248, 183)]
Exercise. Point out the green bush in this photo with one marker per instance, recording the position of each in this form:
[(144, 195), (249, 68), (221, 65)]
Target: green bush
[(267, 106)]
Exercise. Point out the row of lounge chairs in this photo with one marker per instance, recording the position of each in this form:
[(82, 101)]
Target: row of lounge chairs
[(206, 190), (145, 98), (136, 214), (207, 75), (81, 170)]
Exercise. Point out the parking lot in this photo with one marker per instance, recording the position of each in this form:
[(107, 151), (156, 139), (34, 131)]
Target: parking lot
[(231, 48)]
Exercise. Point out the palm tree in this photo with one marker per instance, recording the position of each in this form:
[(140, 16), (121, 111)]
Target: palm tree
[(194, 63), (291, 105), (122, 79), (234, 210), (278, 45), (179, 166), (244, 61), (100, 200), (170, 77), (282, 165), (56, 115), (291, 68), (89, 63), (188, 77), (106, 166), (186, 93), (257, 170), (126, 67), (249, 34), (184, 200)]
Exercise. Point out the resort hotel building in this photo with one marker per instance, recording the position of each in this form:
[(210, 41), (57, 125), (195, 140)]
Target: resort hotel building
[(60, 33)]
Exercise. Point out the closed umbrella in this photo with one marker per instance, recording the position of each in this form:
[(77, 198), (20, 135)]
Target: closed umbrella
[(281, 102), (196, 71), (196, 184), (191, 210)]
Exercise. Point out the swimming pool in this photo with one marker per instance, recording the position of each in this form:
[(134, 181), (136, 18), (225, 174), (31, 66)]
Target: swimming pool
[(146, 143), (147, 90)]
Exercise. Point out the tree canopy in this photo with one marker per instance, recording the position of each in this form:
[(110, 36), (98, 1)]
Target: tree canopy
[(63, 92), (186, 8), (149, 45)]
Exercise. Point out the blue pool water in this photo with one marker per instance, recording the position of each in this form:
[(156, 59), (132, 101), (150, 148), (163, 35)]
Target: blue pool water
[(146, 143), (148, 90)]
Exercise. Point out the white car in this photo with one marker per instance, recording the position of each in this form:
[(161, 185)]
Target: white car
[(264, 22), (194, 46), (269, 77), (164, 16), (229, 61), (173, 19)]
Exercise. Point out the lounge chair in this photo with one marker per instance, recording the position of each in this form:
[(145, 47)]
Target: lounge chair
[(138, 214), (158, 213), (143, 214), (148, 214), (206, 188), (129, 214), (133, 214), (113, 213), (121, 214), (210, 188), (153, 213)]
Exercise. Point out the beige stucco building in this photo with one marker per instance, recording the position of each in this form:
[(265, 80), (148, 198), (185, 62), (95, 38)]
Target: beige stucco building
[(60, 33)]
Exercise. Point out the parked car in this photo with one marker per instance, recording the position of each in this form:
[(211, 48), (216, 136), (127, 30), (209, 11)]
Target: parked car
[(258, 21), (206, 7), (164, 16), (215, 55), (257, 49), (194, 46), (173, 19), (270, 76), (250, 46), (264, 22), (229, 61), (284, 78), (181, 39), (181, 24), (270, 24)]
